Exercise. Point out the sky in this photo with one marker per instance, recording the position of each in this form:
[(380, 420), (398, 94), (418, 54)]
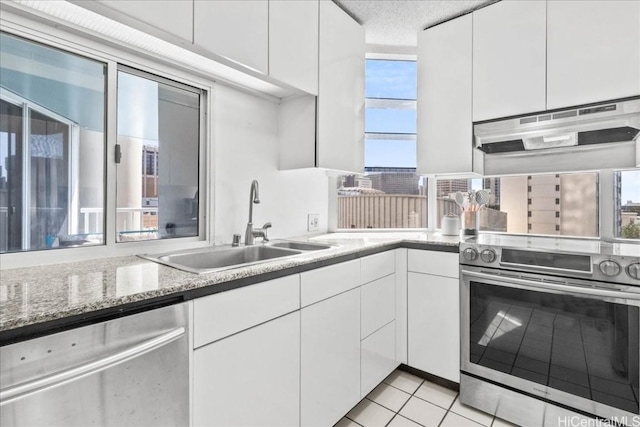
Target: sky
[(390, 80), (630, 186)]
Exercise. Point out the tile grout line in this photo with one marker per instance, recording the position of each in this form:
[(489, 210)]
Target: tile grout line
[(449, 409), (397, 414), (413, 394)]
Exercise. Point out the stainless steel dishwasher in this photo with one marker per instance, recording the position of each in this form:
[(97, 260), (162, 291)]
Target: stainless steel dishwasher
[(129, 371)]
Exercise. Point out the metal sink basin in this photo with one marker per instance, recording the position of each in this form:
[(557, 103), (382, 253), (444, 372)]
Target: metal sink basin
[(298, 246), (220, 258)]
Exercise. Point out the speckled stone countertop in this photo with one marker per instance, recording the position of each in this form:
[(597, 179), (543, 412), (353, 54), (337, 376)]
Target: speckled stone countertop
[(45, 299)]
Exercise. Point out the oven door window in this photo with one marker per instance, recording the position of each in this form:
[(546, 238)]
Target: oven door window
[(582, 346)]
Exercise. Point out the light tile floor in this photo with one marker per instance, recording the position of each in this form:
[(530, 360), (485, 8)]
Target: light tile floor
[(404, 400)]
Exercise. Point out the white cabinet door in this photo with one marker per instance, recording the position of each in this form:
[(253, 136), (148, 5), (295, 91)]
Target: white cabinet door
[(434, 325), (297, 132), (378, 357), (340, 127), (593, 51), (401, 305), (509, 59), (444, 98), (236, 30), (293, 43), (378, 304), (251, 378), (170, 16), (330, 359)]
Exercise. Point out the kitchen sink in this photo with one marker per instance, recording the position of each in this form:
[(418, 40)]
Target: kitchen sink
[(298, 246), (221, 257)]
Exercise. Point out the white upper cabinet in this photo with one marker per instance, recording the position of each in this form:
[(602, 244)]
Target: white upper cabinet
[(509, 64), (593, 51), (340, 116), (293, 43), (444, 98), (235, 30), (174, 17)]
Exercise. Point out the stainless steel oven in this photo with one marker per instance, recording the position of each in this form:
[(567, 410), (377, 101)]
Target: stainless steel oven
[(545, 333)]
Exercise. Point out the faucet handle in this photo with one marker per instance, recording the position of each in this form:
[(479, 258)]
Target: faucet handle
[(264, 232)]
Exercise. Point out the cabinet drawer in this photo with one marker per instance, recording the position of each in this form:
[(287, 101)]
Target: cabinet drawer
[(223, 314), (376, 266), (377, 357), (433, 262), (377, 304), (325, 282)]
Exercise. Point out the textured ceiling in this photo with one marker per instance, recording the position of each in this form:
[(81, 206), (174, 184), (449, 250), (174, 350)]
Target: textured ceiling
[(397, 22)]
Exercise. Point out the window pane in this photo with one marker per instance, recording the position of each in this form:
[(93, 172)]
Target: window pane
[(389, 153), (627, 209), (49, 168), (383, 198), (52, 121), (390, 79), (546, 204), (389, 121), (157, 177)]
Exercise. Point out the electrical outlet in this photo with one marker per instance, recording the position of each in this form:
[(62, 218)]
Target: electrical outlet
[(313, 222)]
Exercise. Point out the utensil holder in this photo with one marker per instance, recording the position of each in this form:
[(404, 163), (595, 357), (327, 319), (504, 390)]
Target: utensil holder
[(469, 220)]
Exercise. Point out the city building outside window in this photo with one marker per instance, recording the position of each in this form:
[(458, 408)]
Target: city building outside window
[(546, 204), (389, 194)]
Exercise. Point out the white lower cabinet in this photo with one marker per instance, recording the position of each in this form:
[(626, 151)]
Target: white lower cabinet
[(434, 325), (251, 378), (378, 357), (330, 359), (378, 346)]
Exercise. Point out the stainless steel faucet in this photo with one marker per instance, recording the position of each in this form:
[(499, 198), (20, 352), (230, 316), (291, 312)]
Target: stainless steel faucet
[(252, 233)]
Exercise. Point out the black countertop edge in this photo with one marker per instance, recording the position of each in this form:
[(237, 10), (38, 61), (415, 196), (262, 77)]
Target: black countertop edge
[(49, 327), (436, 247)]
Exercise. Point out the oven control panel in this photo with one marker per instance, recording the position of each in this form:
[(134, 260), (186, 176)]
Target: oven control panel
[(623, 269)]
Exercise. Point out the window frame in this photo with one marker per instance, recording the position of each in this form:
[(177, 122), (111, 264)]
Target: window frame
[(114, 56), (372, 102)]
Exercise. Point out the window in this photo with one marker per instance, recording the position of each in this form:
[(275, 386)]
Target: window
[(54, 114), (546, 204), (52, 144), (390, 194), (157, 175), (627, 204)]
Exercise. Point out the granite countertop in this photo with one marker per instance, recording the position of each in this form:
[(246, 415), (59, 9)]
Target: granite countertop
[(53, 297)]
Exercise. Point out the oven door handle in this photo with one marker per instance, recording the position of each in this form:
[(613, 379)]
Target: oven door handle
[(569, 289)]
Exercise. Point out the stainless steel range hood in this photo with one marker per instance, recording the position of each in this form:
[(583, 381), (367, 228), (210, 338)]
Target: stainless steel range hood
[(599, 136)]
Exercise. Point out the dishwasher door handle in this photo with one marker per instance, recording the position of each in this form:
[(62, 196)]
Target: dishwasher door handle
[(20, 391)]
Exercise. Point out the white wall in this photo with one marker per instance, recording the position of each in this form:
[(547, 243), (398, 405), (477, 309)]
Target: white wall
[(245, 137)]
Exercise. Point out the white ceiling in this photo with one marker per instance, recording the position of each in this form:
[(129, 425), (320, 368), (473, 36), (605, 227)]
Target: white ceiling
[(393, 25)]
